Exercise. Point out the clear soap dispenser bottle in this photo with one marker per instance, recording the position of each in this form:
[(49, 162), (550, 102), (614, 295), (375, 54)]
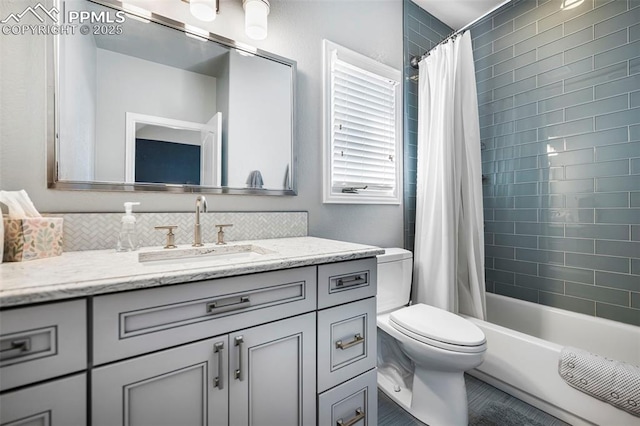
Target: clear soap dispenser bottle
[(128, 237)]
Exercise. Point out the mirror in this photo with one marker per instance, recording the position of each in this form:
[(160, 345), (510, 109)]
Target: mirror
[(162, 150), (148, 103)]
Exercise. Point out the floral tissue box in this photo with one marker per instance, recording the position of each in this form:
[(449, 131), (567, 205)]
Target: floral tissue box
[(32, 238)]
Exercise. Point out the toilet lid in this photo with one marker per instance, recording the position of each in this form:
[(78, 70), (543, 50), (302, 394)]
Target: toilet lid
[(437, 324)]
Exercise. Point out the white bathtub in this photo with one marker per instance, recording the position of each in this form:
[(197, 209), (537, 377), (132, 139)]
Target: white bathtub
[(524, 343)]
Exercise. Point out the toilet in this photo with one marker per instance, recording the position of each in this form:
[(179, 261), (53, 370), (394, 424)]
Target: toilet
[(423, 351)]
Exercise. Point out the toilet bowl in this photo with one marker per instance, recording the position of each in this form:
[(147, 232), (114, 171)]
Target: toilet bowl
[(440, 345)]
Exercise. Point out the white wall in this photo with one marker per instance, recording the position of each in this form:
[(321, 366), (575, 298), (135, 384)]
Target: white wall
[(296, 30), (129, 84)]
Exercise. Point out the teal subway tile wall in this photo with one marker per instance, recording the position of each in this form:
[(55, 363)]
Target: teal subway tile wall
[(422, 31), (559, 104)]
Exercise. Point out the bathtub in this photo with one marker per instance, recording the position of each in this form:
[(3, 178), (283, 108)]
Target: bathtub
[(524, 343)]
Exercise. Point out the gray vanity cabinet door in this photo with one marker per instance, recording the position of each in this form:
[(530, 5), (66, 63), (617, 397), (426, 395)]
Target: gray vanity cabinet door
[(354, 402), (42, 342), (59, 403), (346, 342), (349, 281), (273, 369), (186, 386)]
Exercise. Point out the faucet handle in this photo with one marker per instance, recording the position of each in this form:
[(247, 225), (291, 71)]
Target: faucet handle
[(221, 233), (171, 237)]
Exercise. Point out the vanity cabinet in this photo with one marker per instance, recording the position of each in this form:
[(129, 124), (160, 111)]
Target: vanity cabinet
[(137, 322), (42, 342), (343, 282), (355, 402), (294, 346), (171, 387), (39, 343), (260, 375), (61, 402), (346, 342), (347, 375), (150, 373), (273, 373)]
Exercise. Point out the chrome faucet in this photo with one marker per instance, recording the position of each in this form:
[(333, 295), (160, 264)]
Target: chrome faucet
[(197, 232)]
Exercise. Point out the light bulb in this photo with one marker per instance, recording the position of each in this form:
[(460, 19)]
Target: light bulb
[(204, 10), (255, 18)]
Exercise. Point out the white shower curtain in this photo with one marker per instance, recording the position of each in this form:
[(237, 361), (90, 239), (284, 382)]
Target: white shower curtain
[(449, 242)]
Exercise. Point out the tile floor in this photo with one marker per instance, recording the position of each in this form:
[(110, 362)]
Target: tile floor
[(488, 406)]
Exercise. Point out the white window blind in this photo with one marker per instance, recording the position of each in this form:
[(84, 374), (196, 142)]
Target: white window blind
[(362, 127), (363, 122)]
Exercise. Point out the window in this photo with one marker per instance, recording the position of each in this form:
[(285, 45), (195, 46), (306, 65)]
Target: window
[(362, 144)]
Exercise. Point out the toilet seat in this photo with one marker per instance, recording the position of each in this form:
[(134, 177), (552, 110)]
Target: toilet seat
[(439, 328)]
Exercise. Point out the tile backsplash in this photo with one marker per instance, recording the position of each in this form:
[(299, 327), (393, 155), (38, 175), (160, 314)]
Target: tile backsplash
[(99, 231), (559, 104)]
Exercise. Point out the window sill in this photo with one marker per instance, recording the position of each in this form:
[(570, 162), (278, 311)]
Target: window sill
[(360, 199)]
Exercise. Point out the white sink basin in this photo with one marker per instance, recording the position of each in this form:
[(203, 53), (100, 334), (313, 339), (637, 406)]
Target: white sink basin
[(213, 254)]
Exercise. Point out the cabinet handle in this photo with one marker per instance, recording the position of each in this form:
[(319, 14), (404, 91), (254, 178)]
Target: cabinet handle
[(351, 281), (218, 382), (359, 416), (239, 340), (216, 308), (357, 339), (18, 347)]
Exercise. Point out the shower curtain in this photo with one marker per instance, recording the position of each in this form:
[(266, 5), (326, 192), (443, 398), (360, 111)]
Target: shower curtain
[(449, 242)]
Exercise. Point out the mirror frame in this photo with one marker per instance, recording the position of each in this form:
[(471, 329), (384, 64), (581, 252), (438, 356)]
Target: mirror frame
[(53, 124)]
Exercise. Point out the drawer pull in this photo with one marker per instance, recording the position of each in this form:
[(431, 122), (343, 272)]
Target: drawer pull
[(18, 347), (239, 340), (351, 281), (359, 416), (218, 382), (216, 308), (357, 339)]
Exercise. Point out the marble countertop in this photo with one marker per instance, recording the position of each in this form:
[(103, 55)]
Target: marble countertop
[(86, 273)]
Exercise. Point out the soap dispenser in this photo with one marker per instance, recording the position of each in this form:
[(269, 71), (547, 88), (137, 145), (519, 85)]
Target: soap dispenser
[(128, 237)]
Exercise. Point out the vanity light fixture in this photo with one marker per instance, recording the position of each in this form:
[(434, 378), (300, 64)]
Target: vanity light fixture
[(255, 18), (570, 4), (255, 14), (204, 10)]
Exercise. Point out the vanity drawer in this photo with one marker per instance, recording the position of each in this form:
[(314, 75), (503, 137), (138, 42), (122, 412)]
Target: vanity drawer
[(42, 342), (59, 403), (346, 281), (137, 322), (346, 342), (352, 403)]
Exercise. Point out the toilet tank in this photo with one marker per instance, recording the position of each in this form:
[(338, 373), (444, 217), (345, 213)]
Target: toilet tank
[(395, 268)]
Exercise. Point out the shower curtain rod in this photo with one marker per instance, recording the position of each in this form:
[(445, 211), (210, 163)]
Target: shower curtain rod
[(416, 59)]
